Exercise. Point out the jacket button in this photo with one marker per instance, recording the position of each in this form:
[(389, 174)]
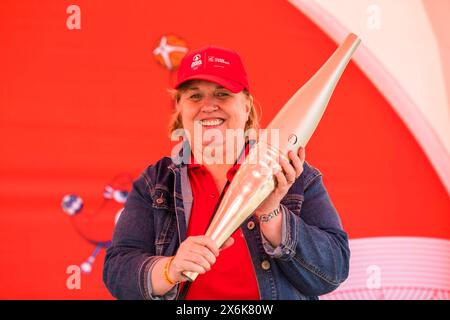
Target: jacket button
[(160, 201), (265, 265), (250, 225)]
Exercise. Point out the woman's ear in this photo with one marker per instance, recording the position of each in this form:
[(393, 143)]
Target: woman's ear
[(248, 105), (177, 106)]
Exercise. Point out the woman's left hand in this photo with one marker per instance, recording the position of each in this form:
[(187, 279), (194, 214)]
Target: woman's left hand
[(285, 178)]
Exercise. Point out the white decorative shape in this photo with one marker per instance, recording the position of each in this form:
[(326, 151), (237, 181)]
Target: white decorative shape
[(72, 204), (410, 268), (86, 267), (403, 64), (118, 216)]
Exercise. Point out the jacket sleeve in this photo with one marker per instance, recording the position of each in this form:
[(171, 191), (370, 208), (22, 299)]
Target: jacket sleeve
[(130, 258), (314, 253)]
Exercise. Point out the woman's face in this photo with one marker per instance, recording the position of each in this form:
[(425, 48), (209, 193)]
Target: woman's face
[(213, 109)]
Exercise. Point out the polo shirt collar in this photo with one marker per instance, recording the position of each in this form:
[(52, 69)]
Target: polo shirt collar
[(231, 172)]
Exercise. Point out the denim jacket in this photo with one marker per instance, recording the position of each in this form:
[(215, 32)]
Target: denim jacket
[(312, 260)]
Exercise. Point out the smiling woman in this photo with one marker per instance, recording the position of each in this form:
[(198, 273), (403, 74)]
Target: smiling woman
[(176, 122), (292, 247), (215, 120)]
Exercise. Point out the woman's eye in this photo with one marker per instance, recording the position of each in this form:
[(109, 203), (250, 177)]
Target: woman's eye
[(195, 96), (222, 94)]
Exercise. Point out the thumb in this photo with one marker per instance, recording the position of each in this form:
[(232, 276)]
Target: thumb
[(228, 243)]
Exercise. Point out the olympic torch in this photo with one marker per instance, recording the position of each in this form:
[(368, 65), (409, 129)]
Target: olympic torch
[(296, 122)]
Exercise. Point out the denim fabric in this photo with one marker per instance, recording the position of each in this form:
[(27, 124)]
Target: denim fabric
[(312, 260)]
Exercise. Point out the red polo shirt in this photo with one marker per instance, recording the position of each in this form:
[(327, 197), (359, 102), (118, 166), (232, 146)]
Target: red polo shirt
[(232, 276)]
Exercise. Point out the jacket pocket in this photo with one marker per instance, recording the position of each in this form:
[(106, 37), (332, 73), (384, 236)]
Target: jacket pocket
[(167, 227), (162, 199), (164, 220)]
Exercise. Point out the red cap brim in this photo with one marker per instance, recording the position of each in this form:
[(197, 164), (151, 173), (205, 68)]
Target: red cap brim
[(233, 86)]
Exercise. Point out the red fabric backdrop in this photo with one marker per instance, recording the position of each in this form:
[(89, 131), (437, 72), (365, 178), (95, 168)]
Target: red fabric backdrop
[(78, 107)]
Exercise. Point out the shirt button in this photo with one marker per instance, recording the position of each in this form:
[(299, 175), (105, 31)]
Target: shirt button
[(250, 225), (212, 195), (265, 265)]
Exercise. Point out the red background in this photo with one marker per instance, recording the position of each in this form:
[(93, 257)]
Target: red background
[(79, 106)]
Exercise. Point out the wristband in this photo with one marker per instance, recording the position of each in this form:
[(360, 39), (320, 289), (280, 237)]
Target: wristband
[(166, 272)]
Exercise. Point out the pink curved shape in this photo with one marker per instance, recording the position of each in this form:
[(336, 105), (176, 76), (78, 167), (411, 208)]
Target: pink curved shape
[(403, 268), (437, 12), (401, 102)]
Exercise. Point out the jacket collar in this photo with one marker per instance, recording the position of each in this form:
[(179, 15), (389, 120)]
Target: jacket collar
[(184, 155)]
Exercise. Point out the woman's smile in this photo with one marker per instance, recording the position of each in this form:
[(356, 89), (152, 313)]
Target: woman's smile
[(211, 122)]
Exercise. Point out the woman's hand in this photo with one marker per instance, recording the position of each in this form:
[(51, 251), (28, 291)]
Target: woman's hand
[(195, 254), (285, 179)]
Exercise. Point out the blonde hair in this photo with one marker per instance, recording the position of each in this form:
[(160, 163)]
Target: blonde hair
[(175, 121)]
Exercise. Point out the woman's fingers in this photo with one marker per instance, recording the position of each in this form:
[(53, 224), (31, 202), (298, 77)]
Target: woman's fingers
[(205, 253), (228, 243), (289, 171), (189, 266), (297, 162), (281, 180), (196, 254), (302, 154), (207, 242), (199, 259)]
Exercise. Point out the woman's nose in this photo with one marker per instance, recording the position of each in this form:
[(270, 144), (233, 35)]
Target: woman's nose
[(209, 105)]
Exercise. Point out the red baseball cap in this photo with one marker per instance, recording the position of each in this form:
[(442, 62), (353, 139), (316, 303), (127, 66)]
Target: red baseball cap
[(218, 65)]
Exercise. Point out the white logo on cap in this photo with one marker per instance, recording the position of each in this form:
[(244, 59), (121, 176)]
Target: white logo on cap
[(218, 60), (196, 61)]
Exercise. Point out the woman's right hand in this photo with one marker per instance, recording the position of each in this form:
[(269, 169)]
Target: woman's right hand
[(195, 254)]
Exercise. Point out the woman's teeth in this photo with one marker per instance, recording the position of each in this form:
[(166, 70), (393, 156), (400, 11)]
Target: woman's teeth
[(211, 122)]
